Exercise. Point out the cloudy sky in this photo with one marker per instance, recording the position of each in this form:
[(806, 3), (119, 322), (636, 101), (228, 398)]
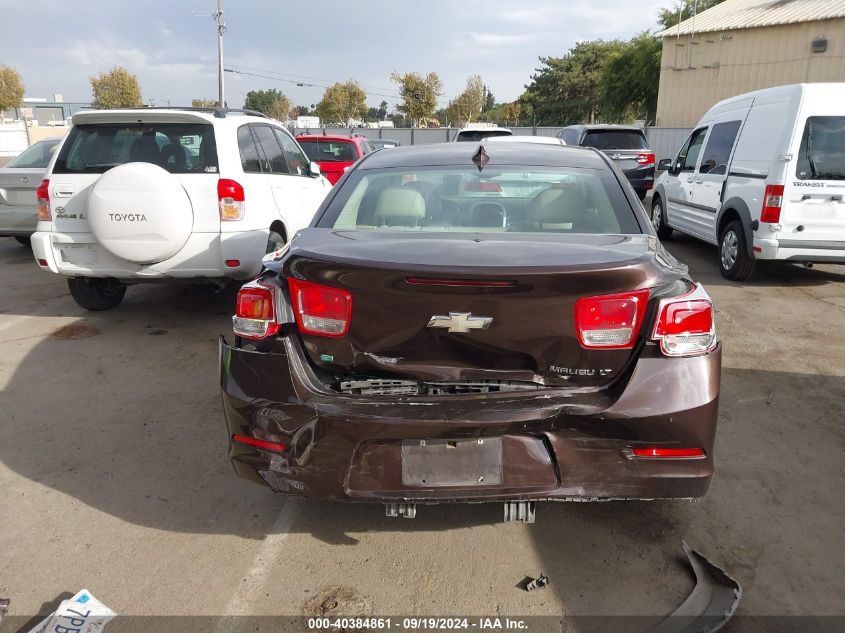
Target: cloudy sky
[(170, 45)]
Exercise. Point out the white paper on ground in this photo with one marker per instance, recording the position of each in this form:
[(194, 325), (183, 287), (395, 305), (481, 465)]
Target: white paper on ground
[(82, 613)]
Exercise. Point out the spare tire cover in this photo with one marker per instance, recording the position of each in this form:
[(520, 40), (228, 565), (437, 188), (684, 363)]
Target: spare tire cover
[(140, 212)]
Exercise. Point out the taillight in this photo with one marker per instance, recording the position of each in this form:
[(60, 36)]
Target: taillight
[(659, 452), (772, 201), (646, 158), (255, 312), (685, 325), (320, 310), (265, 445), (610, 321), (42, 193), (231, 197)]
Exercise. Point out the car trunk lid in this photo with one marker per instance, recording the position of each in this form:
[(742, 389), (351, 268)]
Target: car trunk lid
[(420, 313)]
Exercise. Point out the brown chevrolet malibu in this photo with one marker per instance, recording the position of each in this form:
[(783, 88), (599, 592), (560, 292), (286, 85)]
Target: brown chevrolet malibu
[(463, 324)]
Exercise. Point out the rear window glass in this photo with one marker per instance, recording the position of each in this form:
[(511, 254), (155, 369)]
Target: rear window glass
[(329, 151), (501, 200), (180, 148), (822, 152), (36, 157), (480, 135), (615, 139)]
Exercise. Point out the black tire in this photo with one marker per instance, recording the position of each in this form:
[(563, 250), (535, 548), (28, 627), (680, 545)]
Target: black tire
[(23, 240), (274, 242), (658, 219), (93, 293), (734, 261)]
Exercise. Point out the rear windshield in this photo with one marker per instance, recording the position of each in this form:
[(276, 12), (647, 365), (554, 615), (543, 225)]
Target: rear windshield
[(329, 151), (180, 148), (480, 135), (36, 157), (822, 152), (502, 200), (615, 139)]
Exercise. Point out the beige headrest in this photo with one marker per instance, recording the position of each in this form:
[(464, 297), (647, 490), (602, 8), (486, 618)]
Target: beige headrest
[(557, 205), (400, 206)]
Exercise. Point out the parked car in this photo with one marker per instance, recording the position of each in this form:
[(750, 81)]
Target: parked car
[(193, 195), (414, 345), (334, 154), (542, 140), (763, 176), (18, 181), (626, 145), (476, 133), (383, 143)]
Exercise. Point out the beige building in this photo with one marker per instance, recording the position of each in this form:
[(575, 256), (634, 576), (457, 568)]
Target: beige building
[(743, 45)]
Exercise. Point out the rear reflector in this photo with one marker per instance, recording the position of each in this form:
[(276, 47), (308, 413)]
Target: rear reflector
[(320, 310), (231, 197), (275, 447), (233, 263), (646, 158), (470, 283), (685, 324), (772, 201), (42, 262), (255, 312), (42, 194), (664, 453), (610, 321)]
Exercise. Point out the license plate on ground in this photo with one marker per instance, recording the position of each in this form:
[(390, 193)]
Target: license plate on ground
[(475, 462)]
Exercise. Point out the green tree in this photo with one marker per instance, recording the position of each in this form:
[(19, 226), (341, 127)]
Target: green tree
[(343, 102), (117, 88), (11, 89), (419, 94), (489, 100), (281, 109), (630, 79), (203, 103), (568, 89), (668, 17), (266, 102), (466, 107), (512, 112), (382, 111)]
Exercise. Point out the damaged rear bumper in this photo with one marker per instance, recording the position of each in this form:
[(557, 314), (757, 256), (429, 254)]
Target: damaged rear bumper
[(552, 445)]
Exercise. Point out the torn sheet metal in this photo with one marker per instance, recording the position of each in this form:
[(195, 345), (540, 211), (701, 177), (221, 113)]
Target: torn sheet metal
[(711, 603), (82, 613)]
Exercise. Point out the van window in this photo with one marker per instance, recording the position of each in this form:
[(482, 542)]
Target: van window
[(822, 152), (688, 156), (718, 148)]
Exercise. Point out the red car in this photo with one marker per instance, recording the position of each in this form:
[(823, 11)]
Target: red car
[(334, 154)]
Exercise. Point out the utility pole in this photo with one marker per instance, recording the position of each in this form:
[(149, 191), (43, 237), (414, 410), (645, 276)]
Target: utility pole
[(221, 28)]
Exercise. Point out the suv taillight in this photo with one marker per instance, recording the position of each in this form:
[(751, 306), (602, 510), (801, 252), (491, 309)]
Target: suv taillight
[(42, 193), (320, 310), (685, 325), (610, 321), (231, 197), (772, 200), (646, 158), (255, 312)]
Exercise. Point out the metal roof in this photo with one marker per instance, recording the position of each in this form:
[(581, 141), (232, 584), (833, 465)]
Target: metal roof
[(747, 14)]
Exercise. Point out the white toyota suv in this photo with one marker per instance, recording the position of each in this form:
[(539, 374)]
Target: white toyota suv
[(193, 195)]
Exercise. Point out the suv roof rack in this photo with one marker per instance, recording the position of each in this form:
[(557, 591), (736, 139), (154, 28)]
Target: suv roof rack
[(221, 113)]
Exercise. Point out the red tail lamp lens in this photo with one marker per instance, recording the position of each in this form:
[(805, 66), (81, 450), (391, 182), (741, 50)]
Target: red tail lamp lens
[(255, 313), (320, 310), (671, 453), (610, 321), (772, 201), (274, 447)]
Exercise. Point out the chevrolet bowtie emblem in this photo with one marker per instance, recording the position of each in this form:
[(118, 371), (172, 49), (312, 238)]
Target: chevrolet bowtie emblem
[(461, 322)]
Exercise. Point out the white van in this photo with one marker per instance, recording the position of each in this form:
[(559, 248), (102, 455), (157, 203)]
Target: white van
[(762, 176)]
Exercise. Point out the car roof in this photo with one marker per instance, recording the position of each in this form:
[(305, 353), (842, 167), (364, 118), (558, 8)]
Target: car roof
[(328, 137), (442, 154), (539, 140), (605, 126)]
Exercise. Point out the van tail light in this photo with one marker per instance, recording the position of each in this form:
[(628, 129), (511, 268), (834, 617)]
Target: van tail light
[(646, 158), (772, 201), (42, 193), (231, 197), (659, 452), (685, 325), (255, 312), (610, 321), (320, 310)]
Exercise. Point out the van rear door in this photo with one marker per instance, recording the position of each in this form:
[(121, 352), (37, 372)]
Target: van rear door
[(813, 206)]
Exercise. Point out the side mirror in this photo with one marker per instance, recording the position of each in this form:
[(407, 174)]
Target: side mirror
[(665, 164), (313, 169)]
